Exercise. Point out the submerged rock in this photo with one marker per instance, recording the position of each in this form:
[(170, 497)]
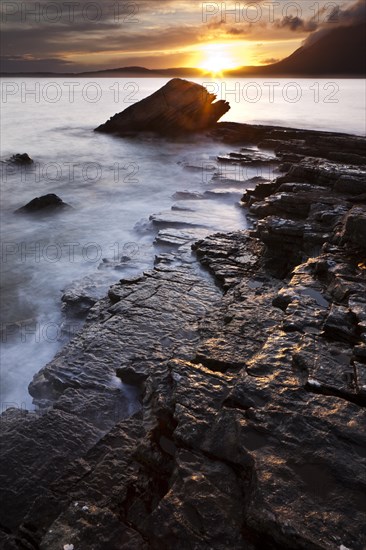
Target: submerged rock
[(22, 159), (179, 107), (45, 203)]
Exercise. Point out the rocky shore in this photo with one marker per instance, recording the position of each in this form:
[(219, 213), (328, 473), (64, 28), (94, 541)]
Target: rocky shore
[(216, 401)]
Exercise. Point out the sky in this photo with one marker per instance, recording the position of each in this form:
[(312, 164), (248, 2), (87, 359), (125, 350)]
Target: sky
[(76, 36)]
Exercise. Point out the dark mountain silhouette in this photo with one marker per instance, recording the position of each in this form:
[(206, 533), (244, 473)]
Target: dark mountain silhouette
[(340, 52)]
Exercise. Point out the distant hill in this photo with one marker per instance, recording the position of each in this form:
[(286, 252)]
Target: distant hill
[(189, 72), (340, 52)]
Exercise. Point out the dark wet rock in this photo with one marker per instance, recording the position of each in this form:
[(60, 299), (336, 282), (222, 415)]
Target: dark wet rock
[(22, 159), (68, 435), (353, 185), (178, 237), (260, 192), (341, 324), (250, 158), (319, 171), (85, 523), (217, 193), (187, 195), (194, 214), (172, 326), (46, 203), (222, 411), (360, 353), (284, 297), (355, 226), (77, 304), (80, 296), (179, 107), (178, 218), (131, 376)]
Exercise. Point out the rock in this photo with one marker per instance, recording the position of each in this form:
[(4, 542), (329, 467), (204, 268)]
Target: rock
[(131, 376), (67, 436), (77, 305), (250, 158), (341, 324), (260, 192), (178, 237), (299, 204), (187, 195), (21, 159), (163, 327), (284, 297), (352, 185), (191, 214), (79, 297), (179, 107), (46, 203), (355, 227), (201, 412)]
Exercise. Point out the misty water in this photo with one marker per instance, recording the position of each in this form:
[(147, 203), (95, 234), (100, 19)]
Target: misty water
[(113, 186)]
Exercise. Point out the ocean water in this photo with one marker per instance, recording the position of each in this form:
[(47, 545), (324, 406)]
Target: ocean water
[(113, 186)]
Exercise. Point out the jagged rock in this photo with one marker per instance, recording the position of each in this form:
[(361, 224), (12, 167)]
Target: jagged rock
[(179, 107), (46, 203)]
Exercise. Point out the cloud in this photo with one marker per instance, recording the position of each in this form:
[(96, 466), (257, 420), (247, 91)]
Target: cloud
[(324, 20), (145, 32), (295, 23), (353, 15), (270, 60), (338, 17), (19, 63)]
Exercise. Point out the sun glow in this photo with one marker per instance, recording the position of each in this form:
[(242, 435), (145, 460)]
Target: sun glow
[(216, 60)]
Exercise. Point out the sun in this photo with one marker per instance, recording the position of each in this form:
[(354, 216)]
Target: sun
[(216, 60)]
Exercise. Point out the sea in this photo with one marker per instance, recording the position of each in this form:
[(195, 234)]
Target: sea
[(114, 185)]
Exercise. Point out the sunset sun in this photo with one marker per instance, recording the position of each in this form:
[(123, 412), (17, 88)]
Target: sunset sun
[(216, 59)]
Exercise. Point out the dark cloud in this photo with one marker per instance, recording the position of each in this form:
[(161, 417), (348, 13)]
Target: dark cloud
[(85, 39), (324, 20), (352, 15), (295, 23), (25, 63), (240, 31), (338, 17)]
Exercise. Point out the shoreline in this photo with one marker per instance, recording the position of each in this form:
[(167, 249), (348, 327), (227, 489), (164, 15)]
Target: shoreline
[(248, 388)]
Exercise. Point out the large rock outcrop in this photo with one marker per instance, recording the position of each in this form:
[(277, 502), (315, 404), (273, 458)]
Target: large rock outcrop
[(179, 107)]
